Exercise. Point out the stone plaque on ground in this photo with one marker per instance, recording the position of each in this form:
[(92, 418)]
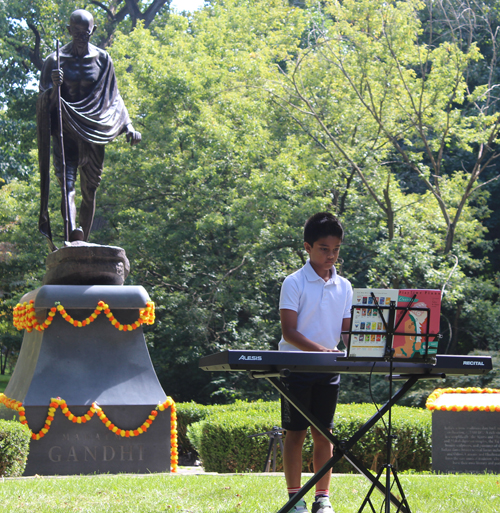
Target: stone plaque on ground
[(466, 441)]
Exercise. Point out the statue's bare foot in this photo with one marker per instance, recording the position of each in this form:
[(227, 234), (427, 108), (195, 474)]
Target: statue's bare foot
[(76, 234)]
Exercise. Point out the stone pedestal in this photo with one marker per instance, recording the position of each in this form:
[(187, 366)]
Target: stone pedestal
[(82, 365)]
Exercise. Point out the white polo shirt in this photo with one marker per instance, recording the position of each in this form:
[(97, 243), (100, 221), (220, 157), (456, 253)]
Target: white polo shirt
[(321, 305)]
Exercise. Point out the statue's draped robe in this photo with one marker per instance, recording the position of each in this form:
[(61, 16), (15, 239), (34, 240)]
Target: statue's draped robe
[(97, 119)]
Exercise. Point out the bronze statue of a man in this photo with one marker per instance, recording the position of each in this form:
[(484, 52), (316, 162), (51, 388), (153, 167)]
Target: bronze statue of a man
[(82, 92)]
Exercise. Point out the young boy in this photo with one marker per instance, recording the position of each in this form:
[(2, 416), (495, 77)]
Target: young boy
[(315, 306)]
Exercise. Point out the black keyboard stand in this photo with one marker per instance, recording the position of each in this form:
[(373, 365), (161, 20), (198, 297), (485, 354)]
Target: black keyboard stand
[(343, 448)]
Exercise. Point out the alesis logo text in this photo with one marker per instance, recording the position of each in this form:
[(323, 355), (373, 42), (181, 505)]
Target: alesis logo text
[(254, 358), (473, 362)]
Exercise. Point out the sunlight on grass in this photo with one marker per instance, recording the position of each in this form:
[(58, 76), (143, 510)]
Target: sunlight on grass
[(229, 493)]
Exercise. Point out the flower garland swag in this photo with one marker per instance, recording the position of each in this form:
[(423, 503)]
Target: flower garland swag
[(96, 409), (25, 317), (431, 400)]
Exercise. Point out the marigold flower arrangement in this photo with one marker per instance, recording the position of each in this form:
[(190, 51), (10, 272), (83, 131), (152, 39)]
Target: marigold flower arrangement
[(96, 409), (431, 400), (25, 317)]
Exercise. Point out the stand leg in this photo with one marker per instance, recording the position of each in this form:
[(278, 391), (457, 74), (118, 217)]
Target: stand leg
[(403, 506), (400, 488), (268, 457), (368, 495), (275, 451)]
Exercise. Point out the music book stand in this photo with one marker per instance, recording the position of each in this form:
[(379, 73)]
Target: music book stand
[(391, 325)]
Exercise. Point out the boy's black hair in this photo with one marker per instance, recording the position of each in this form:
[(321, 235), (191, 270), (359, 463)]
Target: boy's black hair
[(320, 225)]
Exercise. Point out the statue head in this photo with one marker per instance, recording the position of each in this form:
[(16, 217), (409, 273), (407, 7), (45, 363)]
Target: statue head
[(81, 27)]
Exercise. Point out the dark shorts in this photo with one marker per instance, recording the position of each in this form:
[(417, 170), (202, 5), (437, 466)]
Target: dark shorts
[(317, 392)]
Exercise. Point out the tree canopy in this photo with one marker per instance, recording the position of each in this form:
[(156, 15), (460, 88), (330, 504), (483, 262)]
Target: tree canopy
[(256, 114)]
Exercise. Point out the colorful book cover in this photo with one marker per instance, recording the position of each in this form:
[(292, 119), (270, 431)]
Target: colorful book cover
[(418, 323), (368, 338)]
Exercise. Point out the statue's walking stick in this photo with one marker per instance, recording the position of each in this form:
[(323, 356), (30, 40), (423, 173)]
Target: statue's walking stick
[(63, 160)]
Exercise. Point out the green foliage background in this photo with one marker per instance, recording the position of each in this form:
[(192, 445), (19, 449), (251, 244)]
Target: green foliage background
[(254, 115)]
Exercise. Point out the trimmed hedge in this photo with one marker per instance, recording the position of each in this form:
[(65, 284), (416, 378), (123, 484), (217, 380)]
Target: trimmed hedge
[(411, 448), (222, 440), (14, 448), (189, 413)]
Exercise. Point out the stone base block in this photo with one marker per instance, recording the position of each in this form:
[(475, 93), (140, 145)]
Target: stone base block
[(466, 441)]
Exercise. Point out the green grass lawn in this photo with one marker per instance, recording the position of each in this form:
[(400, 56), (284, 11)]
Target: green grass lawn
[(4, 380), (229, 493)]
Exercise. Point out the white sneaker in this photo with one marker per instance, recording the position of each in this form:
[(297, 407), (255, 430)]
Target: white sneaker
[(322, 505), (300, 507)]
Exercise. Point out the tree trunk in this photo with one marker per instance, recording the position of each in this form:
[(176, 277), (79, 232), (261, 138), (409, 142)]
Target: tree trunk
[(456, 322)]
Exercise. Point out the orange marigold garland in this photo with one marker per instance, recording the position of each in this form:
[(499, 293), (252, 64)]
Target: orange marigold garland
[(431, 400), (96, 409), (25, 317)]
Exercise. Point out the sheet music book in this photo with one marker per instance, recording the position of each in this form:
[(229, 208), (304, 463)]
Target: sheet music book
[(417, 322), (368, 339)]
